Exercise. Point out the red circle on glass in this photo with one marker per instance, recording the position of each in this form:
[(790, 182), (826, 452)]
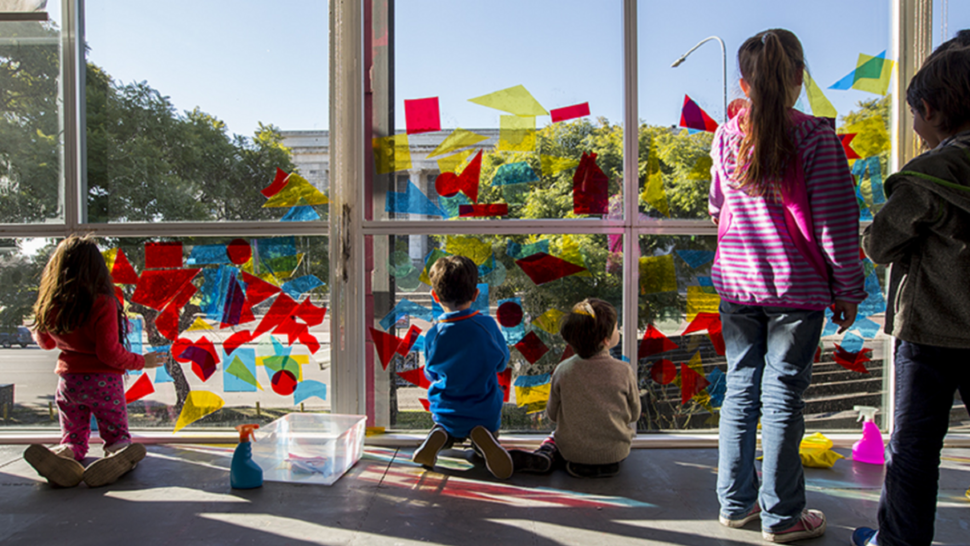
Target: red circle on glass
[(284, 382), (509, 314), (239, 251), (447, 184), (663, 371)]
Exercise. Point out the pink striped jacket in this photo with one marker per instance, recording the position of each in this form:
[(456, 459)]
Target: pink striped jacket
[(802, 252)]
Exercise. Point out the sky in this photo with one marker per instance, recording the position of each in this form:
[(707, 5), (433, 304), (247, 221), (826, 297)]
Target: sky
[(247, 62)]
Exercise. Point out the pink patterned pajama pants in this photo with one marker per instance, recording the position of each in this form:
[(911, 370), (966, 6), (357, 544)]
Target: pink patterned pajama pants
[(79, 395)]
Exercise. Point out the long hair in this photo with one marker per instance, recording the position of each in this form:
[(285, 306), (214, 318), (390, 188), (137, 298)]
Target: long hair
[(74, 277), (771, 63)]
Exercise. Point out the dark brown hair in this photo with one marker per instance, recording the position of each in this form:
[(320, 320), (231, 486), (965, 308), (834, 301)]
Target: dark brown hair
[(454, 279), (72, 280), (587, 325), (771, 63), (944, 83)]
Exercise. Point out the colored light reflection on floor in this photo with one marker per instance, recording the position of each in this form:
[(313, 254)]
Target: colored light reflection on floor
[(412, 477)]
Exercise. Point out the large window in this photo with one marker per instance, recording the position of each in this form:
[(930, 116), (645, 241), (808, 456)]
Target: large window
[(552, 142)]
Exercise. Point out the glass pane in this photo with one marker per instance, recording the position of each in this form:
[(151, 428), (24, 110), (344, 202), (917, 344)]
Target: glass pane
[(190, 118), (245, 319), (680, 106), (31, 124), (680, 338), (501, 135), (948, 19), (526, 282)]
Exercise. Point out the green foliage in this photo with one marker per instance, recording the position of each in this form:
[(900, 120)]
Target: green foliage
[(29, 126)]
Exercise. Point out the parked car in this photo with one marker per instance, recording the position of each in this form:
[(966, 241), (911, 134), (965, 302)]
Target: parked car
[(15, 336)]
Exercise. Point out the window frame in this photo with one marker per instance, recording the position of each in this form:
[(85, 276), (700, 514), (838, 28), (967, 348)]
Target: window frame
[(351, 112)]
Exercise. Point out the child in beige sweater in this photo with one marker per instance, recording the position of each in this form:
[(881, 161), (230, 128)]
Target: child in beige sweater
[(594, 401)]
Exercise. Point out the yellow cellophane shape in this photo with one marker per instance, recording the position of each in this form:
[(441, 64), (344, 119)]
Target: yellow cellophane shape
[(458, 139), (821, 107), (653, 191), (516, 134), (470, 247), (657, 274), (514, 100), (700, 301), (392, 153), (197, 405), (549, 321), (552, 164), (451, 163), (297, 188)]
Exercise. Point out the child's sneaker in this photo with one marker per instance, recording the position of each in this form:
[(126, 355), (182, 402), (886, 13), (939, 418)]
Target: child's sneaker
[(530, 461), (737, 523), (427, 454), (811, 525), (578, 470), (107, 470), (497, 460), (58, 466), (864, 536)]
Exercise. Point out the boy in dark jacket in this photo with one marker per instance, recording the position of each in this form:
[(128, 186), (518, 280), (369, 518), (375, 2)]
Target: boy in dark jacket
[(924, 232)]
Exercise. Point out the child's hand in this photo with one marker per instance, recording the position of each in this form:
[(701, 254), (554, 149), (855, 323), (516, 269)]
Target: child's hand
[(843, 314), (155, 360)]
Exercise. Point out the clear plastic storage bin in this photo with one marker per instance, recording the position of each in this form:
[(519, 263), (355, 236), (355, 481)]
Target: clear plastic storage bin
[(309, 447)]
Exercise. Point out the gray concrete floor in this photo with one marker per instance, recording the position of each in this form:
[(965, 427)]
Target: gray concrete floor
[(181, 495)]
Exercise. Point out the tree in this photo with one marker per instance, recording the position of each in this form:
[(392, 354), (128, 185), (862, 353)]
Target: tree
[(29, 126)]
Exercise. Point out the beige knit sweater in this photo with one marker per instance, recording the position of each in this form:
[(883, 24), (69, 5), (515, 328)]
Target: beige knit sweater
[(595, 403)]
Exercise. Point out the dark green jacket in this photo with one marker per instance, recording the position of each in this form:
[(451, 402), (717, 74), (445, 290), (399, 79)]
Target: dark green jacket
[(924, 232)]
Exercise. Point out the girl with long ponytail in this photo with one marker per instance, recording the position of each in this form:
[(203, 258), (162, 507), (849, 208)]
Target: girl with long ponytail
[(788, 248)]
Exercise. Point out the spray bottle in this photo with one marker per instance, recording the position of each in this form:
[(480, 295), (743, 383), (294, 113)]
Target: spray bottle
[(244, 473), (869, 449)]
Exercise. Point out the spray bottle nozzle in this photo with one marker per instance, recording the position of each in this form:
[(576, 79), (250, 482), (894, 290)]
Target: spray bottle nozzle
[(246, 432), (866, 413)]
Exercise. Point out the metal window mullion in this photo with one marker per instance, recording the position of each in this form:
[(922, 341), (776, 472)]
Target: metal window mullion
[(912, 35), (347, 327), (631, 243), (72, 62)]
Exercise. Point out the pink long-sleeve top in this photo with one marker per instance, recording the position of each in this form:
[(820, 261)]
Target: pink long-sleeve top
[(758, 261), (93, 347)]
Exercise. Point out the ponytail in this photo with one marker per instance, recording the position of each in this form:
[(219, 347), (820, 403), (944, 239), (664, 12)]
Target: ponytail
[(771, 63)]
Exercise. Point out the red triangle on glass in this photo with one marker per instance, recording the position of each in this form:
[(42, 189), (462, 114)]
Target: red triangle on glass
[(278, 312), (235, 340), (122, 272), (139, 389), (505, 383), (415, 377), (852, 361), (468, 179), (257, 290), (309, 313), (156, 288), (203, 356), (167, 322), (531, 347), (291, 328), (410, 338), (654, 342), (386, 345), (693, 117), (425, 404), (691, 383), (846, 140), (543, 268)]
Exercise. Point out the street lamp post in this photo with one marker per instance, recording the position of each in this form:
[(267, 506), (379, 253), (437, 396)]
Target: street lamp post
[(723, 65)]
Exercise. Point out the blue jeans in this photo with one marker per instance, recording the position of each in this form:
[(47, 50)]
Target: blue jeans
[(769, 352), (926, 379)]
